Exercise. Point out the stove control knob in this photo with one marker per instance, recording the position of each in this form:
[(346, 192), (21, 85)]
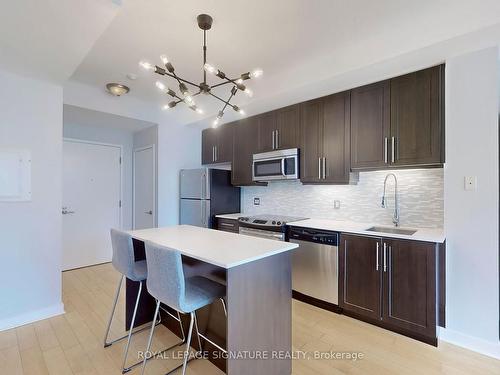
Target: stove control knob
[(274, 222), (279, 223)]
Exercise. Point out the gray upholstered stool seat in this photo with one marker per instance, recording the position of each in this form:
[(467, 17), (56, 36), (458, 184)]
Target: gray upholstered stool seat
[(139, 271), (168, 285), (201, 292)]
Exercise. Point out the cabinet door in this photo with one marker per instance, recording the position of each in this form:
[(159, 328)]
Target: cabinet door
[(360, 275), (370, 126), (267, 127), (287, 121), (224, 152), (311, 126), (208, 142), (417, 118), (336, 138), (245, 143), (409, 284)]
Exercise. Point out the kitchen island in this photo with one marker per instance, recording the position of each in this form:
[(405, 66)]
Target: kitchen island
[(257, 274)]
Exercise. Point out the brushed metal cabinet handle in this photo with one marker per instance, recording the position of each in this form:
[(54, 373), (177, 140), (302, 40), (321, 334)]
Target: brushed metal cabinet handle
[(274, 141), (385, 257), (213, 153), (324, 168), (227, 225), (376, 264), (393, 149), (277, 138), (319, 168), (216, 153), (386, 150)]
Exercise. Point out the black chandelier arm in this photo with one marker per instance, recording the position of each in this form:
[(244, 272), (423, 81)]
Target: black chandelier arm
[(163, 72), (220, 84), (222, 100)]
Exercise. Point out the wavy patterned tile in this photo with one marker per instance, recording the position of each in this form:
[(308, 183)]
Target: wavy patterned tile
[(420, 193)]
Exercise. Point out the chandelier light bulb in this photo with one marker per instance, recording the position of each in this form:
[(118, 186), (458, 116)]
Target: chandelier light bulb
[(210, 68), (161, 86), (215, 123), (239, 81), (146, 65), (189, 99), (199, 111), (241, 112), (169, 105), (248, 92), (256, 73), (164, 59)]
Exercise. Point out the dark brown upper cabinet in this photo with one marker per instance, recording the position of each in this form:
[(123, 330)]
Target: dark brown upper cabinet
[(279, 129), (370, 126), (217, 144), (417, 118), (392, 283), (245, 142), (324, 133), (399, 122)]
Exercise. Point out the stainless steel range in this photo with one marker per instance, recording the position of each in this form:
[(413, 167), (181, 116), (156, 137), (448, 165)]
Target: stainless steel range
[(266, 226)]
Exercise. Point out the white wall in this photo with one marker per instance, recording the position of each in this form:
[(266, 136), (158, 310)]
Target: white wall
[(124, 138), (179, 147), (30, 232), (471, 217)]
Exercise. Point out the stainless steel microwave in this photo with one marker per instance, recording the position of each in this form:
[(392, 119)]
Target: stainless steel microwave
[(276, 165)]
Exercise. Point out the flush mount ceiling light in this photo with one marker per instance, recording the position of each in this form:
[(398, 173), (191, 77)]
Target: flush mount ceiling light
[(186, 96), (117, 89)]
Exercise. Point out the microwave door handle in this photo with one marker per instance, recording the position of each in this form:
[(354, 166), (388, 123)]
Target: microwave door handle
[(283, 167)]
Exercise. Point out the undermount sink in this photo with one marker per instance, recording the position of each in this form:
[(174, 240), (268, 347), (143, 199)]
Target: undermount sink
[(392, 230)]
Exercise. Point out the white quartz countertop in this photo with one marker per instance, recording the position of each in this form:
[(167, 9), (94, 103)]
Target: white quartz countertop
[(230, 216), (422, 234), (216, 247)]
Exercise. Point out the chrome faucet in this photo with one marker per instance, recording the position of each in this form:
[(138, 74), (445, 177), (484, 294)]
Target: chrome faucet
[(395, 218)]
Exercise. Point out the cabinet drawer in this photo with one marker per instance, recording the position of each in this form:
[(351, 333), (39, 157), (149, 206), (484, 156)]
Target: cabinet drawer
[(227, 225)]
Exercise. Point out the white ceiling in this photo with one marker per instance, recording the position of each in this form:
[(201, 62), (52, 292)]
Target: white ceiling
[(48, 39), (87, 117)]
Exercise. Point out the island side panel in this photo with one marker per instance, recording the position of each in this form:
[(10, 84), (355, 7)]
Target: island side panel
[(259, 298)]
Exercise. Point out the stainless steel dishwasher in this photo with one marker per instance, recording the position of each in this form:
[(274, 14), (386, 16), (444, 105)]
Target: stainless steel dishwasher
[(315, 263)]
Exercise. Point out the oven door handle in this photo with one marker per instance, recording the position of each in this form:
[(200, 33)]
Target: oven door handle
[(262, 234)]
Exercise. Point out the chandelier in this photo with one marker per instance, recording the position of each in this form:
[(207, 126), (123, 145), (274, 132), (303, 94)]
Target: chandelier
[(186, 95)]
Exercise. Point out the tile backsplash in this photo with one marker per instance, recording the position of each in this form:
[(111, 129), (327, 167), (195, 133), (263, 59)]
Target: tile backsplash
[(420, 196)]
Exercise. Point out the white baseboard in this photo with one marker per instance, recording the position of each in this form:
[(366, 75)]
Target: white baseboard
[(31, 317), (491, 349)]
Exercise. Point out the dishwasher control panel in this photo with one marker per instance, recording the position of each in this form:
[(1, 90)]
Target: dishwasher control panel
[(314, 235)]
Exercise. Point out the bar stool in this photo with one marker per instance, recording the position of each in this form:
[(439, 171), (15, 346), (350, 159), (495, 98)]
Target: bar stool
[(124, 262), (167, 284)]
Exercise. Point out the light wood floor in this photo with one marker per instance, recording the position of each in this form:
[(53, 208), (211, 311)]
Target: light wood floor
[(72, 343)]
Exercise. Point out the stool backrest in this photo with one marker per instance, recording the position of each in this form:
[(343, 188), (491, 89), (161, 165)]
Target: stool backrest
[(123, 252), (165, 275)]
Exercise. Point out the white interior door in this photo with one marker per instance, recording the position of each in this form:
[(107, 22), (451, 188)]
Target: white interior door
[(91, 202), (144, 188)]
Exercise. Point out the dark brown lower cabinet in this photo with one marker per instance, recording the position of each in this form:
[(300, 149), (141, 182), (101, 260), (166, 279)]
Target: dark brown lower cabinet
[(391, 283)]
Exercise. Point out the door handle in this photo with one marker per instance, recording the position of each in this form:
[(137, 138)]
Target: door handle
[(385, 257), (376, 261), (393, 149), (386, 150), (66, 212), (150, 212)]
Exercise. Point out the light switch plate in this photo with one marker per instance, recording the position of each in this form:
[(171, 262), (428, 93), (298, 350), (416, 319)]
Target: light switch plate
[(256, 201), (336, 204), (470, 183)]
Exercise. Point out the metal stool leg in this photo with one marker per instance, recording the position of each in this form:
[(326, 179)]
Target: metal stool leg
[(125, 355), (150, 340), (188, 343), (117, 294)]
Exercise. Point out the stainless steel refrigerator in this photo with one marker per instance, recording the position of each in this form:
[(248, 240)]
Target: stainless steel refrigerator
[(205, 193)]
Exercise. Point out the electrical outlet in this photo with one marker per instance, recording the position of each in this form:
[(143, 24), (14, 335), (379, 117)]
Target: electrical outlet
[(336, 204), (470, 183), (256, 201)]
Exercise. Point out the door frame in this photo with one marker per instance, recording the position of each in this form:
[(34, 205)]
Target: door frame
[(134, 151), (120, 147)]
